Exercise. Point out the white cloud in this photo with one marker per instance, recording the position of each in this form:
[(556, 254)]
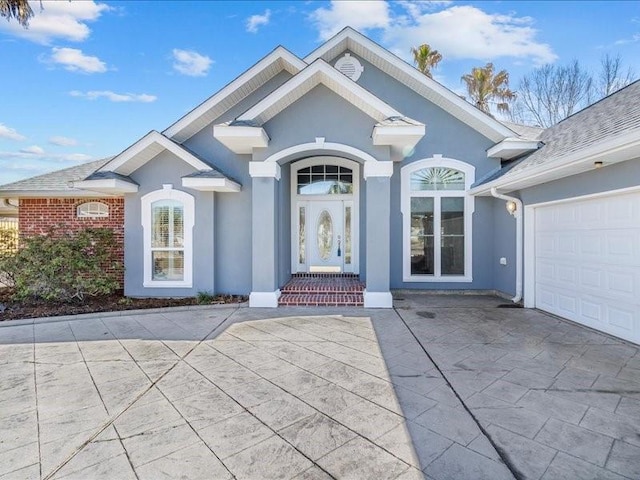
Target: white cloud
[(62, 141), (114, 97), (256, 21), (362, 15), (74, 60), (57, 20), (10, 133), (456, 31), (478, 35), (33, 150), (189, 62)]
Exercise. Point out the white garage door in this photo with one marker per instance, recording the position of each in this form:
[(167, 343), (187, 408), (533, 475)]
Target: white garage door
[(587, 265)]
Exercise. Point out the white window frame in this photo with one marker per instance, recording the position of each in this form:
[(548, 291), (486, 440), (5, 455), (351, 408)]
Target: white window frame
[(437, 195), (92, 210), (188, 203)]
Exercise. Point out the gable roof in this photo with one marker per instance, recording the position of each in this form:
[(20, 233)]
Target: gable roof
[(128, 161), (607, 131), (58, 182), (349, 39), (319, 72), (248, 82)]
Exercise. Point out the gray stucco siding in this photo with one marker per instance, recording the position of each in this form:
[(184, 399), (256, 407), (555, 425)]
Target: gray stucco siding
[(166, 168), (504, 245), (232, 219), (612, 177), (321, 113)]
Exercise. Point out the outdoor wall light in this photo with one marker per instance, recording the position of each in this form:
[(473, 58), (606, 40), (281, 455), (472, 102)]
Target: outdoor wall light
[(598, 164), (511, 207)]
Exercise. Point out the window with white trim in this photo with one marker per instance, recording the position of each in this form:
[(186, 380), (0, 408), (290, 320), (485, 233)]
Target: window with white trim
[(168, 219), (437, 215), (92, 210)]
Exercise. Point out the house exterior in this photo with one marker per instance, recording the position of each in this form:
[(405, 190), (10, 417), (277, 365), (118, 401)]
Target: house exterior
[(351, 161)]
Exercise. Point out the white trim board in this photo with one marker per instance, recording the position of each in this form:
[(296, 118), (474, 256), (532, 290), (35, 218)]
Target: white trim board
[(350, 39), (317, 73), (147, 148), (248, 82)]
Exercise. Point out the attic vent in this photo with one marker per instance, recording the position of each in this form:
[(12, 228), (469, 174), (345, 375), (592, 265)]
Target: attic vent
[(350, 67)]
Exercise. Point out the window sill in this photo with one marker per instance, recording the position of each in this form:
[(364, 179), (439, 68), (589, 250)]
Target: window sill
[(167, 284)]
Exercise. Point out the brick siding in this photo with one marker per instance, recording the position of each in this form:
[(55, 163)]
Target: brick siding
[(39, 215)]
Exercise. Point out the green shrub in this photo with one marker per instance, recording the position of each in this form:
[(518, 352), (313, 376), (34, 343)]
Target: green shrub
[(8, 248), (205, 298), (64, 266)]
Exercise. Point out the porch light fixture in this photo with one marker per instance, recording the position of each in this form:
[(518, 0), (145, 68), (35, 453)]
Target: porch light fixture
[(598, 164), (511, 207)]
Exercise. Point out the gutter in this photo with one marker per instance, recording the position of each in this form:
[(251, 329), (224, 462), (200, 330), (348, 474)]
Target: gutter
[(519, 235)]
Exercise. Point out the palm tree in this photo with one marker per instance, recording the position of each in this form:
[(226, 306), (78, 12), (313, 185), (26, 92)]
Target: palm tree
[(18, 9), (484, 88), (426, 58)]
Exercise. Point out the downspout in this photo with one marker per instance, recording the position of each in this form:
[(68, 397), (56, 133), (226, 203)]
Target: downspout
[(518, 216)]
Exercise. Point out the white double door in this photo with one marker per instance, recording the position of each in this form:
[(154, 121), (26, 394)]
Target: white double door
[(326, 236)]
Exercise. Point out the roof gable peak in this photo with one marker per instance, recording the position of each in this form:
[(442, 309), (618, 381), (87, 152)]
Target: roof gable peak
[(278, 60)]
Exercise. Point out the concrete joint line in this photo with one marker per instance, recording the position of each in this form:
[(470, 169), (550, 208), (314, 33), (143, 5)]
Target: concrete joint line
[(501, 453), (112, 420)]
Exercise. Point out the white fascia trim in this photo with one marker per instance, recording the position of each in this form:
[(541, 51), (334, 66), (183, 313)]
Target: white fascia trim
[(264, 169), (352, 36), (378, 299), (118, 162), (264, 299), (316, 73), (289, 61), (512, 147), (377, 169), (614, 150), (107, 185), (241, 139), (203, 184)]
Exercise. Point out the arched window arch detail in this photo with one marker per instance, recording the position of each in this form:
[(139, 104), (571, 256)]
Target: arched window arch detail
[(92, 210), (437, 216), (168, 217)]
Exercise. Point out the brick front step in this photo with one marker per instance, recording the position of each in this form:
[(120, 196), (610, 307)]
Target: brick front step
[(321, 300), (322, 289)]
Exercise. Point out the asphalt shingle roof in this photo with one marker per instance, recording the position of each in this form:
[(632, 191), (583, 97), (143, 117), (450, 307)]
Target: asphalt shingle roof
[(57, 181), (613, 116)]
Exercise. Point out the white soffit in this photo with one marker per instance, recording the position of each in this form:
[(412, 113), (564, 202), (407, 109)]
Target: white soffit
[(111, 186), (241, 139), (144, 150), (204, 184), (319, 72), (512, 147), (277, 61), (349, 39)]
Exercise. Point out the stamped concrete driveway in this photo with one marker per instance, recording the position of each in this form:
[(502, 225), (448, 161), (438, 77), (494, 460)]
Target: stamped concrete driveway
[(442, 388)]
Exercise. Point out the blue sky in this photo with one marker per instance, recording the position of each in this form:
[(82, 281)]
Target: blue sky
[(87, 79)]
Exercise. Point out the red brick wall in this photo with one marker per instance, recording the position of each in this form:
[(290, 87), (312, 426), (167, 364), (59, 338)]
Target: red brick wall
[(38, 215)]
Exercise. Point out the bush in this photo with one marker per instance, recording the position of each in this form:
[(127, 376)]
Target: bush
[(63, 266), (8, 248)]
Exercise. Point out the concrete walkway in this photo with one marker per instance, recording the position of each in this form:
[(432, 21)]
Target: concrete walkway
[(319, 393)]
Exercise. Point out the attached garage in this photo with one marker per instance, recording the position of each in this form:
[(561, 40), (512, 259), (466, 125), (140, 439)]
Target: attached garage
[(584, 261)]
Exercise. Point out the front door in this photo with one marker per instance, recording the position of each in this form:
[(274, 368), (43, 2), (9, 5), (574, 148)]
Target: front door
[(326, 236)]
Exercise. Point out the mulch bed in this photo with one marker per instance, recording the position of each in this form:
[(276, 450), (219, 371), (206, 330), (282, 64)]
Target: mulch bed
[(12, 310)]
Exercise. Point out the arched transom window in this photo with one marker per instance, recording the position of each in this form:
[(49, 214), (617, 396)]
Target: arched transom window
[(437, 220), (325, 180), (92, 210)]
